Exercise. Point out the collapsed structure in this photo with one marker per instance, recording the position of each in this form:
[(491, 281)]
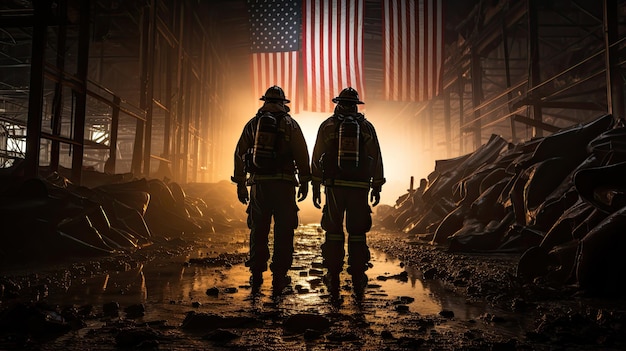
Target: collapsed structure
[(558, 199)]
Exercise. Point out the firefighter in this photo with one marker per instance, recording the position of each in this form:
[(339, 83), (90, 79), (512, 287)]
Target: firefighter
[(272, 158), (347, 161)]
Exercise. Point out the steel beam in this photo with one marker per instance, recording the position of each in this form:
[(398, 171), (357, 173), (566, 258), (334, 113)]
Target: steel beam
[(35, 97), (477, 97), (181, 80), (614, 79), (533, 58), (148, 85), (109, 165), (461, 92), (447, 122), (536, 124), (136, 163), (81, 96), (57, 102)]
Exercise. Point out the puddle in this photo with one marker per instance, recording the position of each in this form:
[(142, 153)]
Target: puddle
[(171, 287)]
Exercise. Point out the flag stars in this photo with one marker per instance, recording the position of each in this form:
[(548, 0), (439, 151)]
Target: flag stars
[(274, 25)]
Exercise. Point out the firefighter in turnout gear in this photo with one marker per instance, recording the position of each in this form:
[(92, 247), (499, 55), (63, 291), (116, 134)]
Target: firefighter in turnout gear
[(272, 158), (347, 161)]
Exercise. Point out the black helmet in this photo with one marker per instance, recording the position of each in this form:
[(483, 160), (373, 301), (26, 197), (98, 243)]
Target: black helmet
[(274, 93), (348, 95)]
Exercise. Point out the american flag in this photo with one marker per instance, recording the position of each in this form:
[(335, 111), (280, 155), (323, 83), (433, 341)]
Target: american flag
[(413, 49), (275, 37), (332, 51)]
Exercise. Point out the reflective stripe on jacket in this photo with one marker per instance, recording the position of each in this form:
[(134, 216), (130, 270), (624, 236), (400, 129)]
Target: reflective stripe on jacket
[(327, 143), (294, 154)]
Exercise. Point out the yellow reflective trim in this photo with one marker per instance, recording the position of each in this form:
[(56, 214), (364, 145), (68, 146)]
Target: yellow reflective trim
[(334, 237), (351, 183), (357, 238), (278, 176)]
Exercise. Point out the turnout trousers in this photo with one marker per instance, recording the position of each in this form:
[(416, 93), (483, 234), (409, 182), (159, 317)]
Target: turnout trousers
[(272, 198), (353, 203)]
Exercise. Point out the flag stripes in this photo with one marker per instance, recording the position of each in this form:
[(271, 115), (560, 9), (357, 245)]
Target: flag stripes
[(276, 68), (332, 51), (413, 49), (317, 46)]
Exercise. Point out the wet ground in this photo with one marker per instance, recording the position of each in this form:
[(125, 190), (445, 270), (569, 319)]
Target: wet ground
[(194, 294)]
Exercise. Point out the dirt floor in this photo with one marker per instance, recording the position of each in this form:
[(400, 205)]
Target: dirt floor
[(192, 293)]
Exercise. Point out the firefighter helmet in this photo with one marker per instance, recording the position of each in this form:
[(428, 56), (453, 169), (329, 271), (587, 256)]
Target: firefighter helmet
[(348, 95), (274, 93)]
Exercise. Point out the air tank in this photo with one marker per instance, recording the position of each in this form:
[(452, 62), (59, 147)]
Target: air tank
[(264, 141), (348, 155)]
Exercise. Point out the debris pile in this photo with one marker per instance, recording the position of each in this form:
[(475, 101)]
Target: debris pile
[(49, 216), (558, 200)]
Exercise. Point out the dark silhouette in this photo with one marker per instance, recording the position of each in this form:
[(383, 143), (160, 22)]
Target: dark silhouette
[(273, 152), (348, 162)]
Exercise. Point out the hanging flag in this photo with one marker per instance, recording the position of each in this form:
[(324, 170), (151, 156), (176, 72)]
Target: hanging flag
[(413, 49), (332, 51), (275, 38)]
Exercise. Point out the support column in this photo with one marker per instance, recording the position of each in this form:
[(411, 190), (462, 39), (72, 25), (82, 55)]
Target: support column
[(447, 122), (186, 121), (165, 169), (81, 96), (180, 94), (461, 91), (533, 57), (197, 138), (203, 116), (171, 59), (507, 70), (477, 97), (57, 101), (109, 166), (178, 126), (615, 81), (35, 95), (148, 86)]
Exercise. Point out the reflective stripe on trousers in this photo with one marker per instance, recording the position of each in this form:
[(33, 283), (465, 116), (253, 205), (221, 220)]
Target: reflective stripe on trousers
[(353, 204), (272, 199)]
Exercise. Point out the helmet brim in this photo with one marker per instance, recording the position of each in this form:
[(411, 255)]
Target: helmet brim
[(341, 99), (285, 101)]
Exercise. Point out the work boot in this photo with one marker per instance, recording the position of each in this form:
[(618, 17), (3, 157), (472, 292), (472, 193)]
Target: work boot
[(280, 282), (359, 283), (331, 280), (256, 280)]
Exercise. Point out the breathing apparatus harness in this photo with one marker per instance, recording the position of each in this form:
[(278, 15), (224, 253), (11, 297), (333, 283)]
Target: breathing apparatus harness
[(265, 156), (349, 167)]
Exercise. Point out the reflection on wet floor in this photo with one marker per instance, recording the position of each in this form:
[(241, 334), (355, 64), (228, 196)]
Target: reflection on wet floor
[(171, 287)]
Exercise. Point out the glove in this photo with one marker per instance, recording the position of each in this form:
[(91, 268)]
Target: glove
[(375, 196), (303, 191), (317, 195), (242, 193)]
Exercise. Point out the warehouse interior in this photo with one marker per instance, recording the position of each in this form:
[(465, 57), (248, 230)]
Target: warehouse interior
[(501, 221), (160, 88)]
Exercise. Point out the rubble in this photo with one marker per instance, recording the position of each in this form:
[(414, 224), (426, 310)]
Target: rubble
[(50, 217), (559, 200)]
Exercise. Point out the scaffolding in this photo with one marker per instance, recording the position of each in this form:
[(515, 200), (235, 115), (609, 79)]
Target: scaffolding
[(112, 86), (524, 69)]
